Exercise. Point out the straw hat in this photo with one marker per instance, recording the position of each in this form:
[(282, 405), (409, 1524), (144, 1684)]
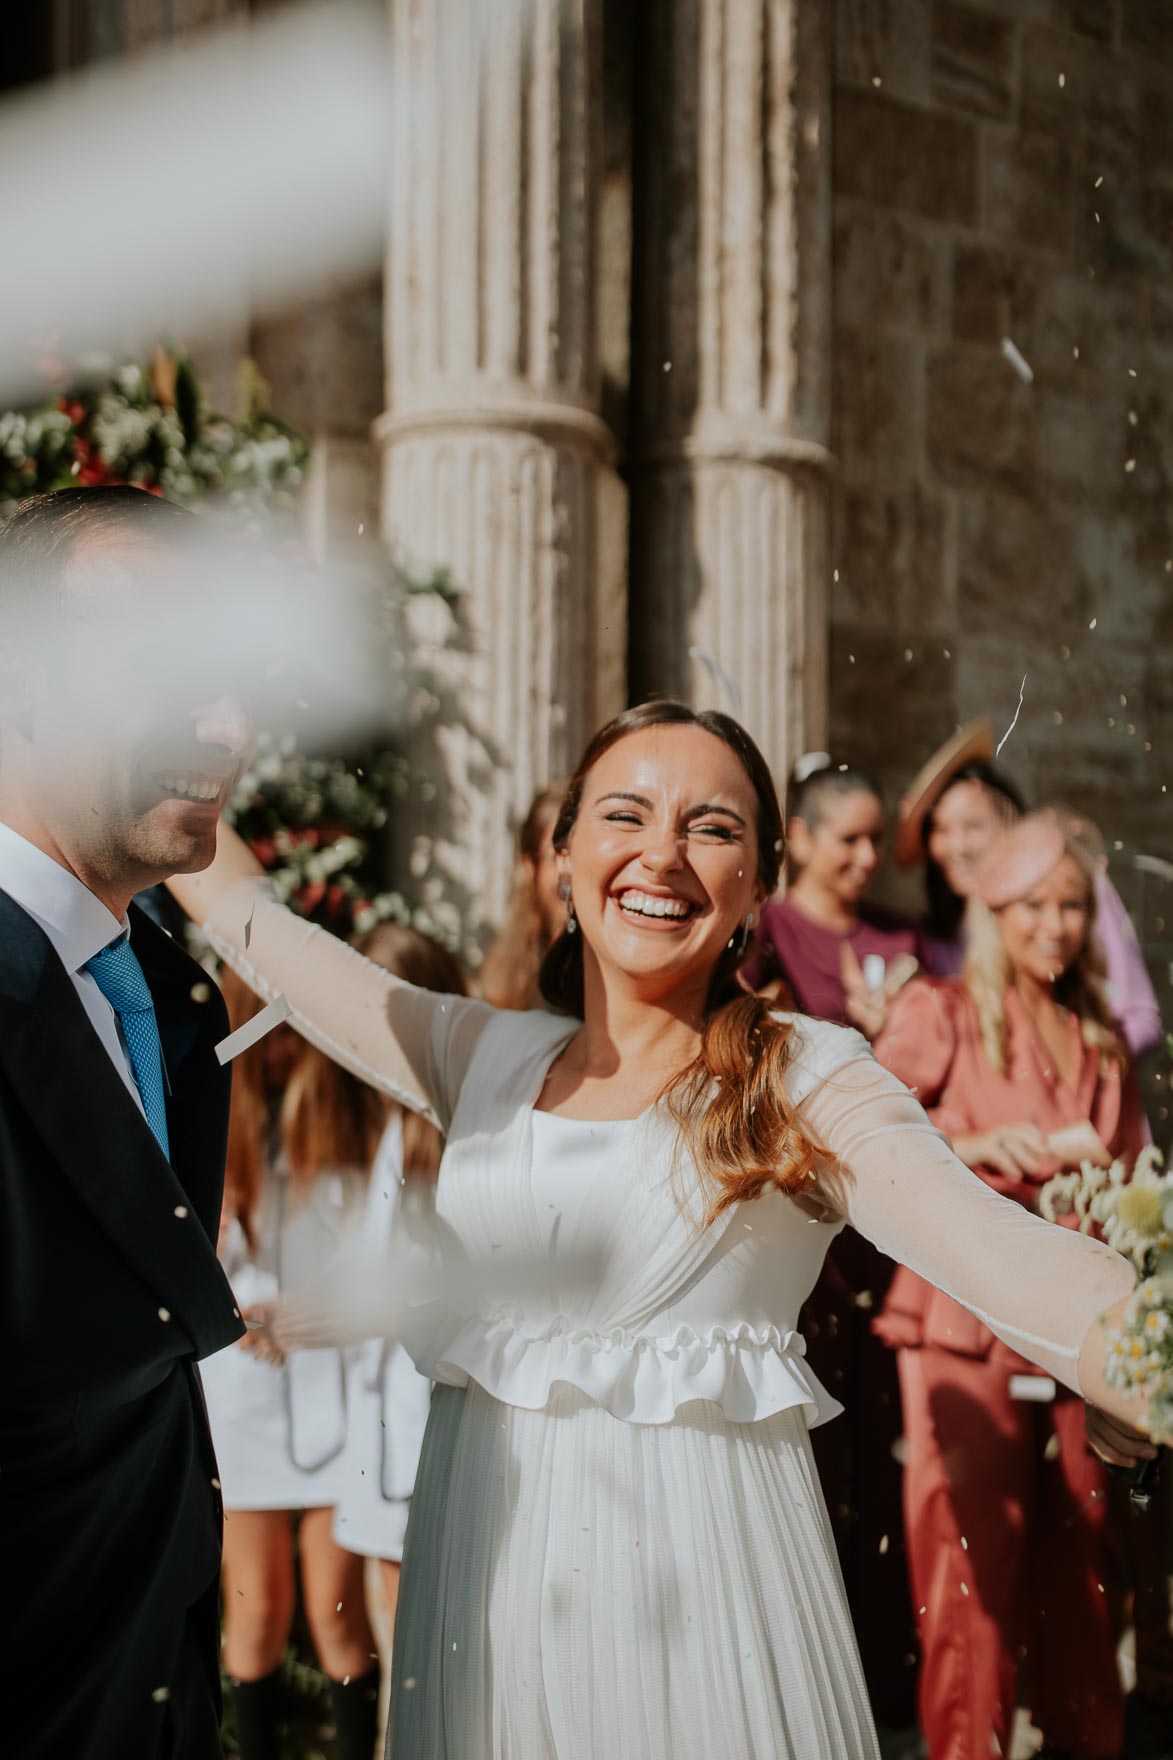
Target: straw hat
[(970, 743)]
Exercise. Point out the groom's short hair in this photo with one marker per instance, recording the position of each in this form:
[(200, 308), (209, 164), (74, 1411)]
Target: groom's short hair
[(39, 541)]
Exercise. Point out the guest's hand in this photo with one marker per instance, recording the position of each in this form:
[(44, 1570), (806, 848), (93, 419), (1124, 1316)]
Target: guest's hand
[(1115, 1442), (1077, 1143), (867, 1006), (1018, 1151), (262, 1339)]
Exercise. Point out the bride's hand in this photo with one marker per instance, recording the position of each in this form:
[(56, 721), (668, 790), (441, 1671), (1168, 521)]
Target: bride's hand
[(1115, 1442)]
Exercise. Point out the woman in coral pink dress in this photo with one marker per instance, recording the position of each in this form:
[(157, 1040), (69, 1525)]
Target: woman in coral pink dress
[(1021, 1064)]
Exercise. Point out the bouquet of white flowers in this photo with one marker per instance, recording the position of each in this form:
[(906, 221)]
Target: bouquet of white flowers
[(1136, 1217)]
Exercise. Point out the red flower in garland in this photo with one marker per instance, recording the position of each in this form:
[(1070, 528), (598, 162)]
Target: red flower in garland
[(90, 470)]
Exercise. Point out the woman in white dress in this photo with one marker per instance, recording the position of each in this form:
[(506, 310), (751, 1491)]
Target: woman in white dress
[(387, 1398), (618, 1545), (301, 1135)]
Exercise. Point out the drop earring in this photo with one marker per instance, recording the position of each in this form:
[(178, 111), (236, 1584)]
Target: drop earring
[(571, 919), (743, 938)]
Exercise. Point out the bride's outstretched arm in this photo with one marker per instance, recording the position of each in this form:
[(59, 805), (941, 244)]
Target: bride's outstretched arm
[(413, 1045), (1044, 1290)]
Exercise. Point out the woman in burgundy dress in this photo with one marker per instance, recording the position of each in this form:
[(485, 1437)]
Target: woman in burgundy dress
[(840, 958)]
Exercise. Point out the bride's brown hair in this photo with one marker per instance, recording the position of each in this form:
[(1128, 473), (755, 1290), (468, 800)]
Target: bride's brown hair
[(730, 1102)]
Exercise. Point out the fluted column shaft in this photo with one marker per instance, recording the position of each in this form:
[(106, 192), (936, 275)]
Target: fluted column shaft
[(496, 462), (731, 335)]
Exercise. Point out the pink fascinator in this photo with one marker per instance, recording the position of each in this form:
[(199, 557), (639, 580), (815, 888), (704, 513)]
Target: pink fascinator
[(1020, 857)]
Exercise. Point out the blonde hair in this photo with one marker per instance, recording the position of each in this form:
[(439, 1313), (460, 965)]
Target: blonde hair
[(509, 976), (730, 1103), (1081, 989), (326, 1119)]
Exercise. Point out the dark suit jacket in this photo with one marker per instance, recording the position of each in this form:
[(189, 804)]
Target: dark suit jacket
[(110, 1291)]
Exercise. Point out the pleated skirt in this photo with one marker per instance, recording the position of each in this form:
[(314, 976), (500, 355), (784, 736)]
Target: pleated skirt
[(580, 1588)]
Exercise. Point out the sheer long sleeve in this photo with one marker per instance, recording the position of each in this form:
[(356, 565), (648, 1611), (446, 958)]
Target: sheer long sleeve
[(1039, 1288), (413, 1045)]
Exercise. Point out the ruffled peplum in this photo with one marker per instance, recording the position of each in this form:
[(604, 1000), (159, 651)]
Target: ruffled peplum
[(748, 1373)]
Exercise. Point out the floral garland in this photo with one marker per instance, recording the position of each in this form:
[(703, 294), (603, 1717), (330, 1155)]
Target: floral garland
[(315, 823), (150, 428)]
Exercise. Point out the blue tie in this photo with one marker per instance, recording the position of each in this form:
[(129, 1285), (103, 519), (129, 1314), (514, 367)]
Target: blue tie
[(119, 977)]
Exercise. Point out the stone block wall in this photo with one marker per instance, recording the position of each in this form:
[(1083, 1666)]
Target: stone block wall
[(1004, 169)]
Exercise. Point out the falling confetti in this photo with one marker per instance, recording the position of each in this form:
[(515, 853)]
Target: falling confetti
[(248, 928), (1017, 713), (1018, 361), (181, 1211), (161, 1694), (253, 1031)]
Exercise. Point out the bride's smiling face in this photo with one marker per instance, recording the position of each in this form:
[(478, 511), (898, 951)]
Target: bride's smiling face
[(662, 860)]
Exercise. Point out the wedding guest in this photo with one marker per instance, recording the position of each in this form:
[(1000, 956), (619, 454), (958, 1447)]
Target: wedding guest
[(840, 956), (535, 912), (617, 1544), (388, 1399), (302, 1134), (952, 812), (1020, 1062)]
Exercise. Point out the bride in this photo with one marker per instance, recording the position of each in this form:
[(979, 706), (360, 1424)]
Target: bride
[(618, 1545)]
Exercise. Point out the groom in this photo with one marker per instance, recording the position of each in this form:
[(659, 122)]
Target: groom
[(115, 759)]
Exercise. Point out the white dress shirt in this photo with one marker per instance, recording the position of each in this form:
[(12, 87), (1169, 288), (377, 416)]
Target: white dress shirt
[(78, 926)]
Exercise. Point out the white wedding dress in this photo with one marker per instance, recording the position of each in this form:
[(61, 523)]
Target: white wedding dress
[(618, 1548)]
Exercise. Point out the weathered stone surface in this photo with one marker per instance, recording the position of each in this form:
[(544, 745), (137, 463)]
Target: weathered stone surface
[(1146, 28), (892, 555), (982, 424), (1027, 11), (1104, 319), (901, 157), (1029, 189), (1077, 675), (888, 40), (1091, 18), (1161, 320), (890, 691), (995, 294), (1072, 88), (878, 427), (1015, 570), (1087, 441), (1042, 571), (884, 263), (1123, 226), (972, 60), (1156, 136)]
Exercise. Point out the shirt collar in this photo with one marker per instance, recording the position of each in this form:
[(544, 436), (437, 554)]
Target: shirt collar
[(77, 923)]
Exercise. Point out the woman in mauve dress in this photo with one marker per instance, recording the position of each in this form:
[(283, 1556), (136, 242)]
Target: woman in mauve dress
[(842, 959)]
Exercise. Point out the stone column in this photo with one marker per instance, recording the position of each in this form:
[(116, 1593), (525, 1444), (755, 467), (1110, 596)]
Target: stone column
[(496, 464), (732, 329)]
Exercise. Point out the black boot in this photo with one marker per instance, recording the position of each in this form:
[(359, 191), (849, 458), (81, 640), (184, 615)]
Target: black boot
[(258, 1709), (356, 1715)]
